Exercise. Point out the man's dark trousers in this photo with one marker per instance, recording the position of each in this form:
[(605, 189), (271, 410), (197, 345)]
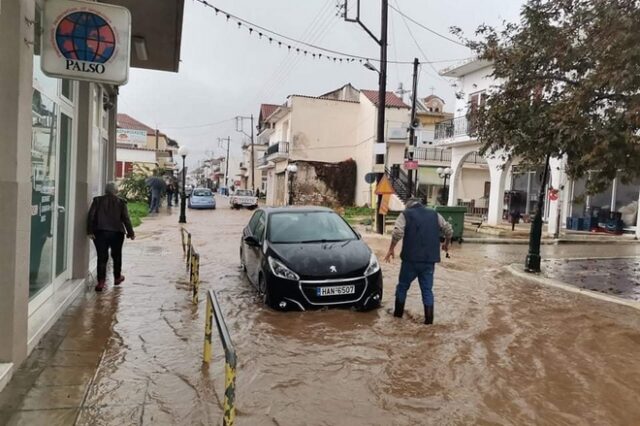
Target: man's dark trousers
[(105, 241)]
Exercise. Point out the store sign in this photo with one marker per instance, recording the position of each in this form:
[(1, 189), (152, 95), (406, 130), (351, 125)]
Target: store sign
[(86, 41), (132, 136), (411, 165)]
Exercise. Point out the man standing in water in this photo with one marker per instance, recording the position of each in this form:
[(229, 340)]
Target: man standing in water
[(419, 228)]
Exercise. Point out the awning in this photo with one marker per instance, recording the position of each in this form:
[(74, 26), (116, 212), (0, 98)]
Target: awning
[(156, 29)]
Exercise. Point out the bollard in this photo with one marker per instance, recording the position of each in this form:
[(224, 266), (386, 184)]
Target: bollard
[(195, 277), (182, 241), (214, 311), (229, 389), (208, 330), (189, 249)]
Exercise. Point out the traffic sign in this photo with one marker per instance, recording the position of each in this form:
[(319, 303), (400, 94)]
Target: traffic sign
[(384, 186), (370, 178)]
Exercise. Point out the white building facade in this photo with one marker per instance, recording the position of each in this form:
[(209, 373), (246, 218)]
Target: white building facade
[(474, 83)]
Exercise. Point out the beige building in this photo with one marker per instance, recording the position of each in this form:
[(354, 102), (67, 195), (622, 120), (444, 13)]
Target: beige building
[(330, 128), (139, 144)]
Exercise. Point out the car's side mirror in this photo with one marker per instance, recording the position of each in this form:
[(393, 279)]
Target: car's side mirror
[(251, 241)]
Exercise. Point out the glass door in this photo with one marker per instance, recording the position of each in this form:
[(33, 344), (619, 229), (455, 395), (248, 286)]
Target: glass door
[(63, 189)]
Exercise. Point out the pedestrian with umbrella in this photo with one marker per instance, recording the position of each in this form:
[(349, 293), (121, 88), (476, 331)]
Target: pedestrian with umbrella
[(157, 186)]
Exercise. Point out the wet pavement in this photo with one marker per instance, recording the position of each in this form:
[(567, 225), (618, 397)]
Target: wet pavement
[(619, 277), (502, 351)]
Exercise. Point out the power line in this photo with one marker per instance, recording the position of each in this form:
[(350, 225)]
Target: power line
[(198, 125), (427, 28), (274, 36), (416, 42)]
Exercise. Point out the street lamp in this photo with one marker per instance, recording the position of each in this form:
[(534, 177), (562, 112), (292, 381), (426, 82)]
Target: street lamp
[(444, 173), (292, 169), (368, 65), (183, 151)]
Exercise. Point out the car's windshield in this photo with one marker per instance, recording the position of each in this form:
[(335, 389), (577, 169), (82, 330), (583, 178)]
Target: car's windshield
[(308, 227), (244, 192), (202, 193)]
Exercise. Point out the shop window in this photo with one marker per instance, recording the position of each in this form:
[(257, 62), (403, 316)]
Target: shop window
[(67, 90), (43, 191), (579, 198), (627, 196)]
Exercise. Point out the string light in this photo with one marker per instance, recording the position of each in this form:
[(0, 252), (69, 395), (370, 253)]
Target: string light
[(333, 55)]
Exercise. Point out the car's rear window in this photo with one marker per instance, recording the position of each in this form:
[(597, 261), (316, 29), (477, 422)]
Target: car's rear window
[(308, 227), (244, 192), (202, 193)]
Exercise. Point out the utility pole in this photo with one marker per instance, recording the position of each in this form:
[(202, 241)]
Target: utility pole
[(240, 128), (382, 83), (412, 127), (226, 172)]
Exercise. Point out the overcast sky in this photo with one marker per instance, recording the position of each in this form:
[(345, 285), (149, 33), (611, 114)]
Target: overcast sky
[(225, 71)]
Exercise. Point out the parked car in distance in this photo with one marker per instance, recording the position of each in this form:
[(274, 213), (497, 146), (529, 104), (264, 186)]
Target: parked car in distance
[(243, 198), (301, 258), (188, 190), (202, 198)]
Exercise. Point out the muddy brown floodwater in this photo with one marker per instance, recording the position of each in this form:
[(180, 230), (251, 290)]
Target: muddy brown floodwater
[(502, 351)]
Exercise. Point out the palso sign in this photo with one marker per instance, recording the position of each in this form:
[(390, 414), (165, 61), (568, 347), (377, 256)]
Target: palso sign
[(86, 41)]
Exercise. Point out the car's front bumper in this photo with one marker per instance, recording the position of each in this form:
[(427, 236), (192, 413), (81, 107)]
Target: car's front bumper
[(303, 295), (202, 206)]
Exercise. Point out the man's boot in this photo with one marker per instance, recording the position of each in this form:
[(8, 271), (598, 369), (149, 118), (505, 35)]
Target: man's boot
[(399, 309), (118, 280), (101, 285), (428, 314)]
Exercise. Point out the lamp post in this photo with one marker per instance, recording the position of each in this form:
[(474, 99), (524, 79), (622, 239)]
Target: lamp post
[(444, 173), (183, 151), (292, 169)]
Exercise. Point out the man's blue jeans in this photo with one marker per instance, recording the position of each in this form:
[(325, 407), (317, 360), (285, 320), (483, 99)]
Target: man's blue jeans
[(155, 201), (409, 271)]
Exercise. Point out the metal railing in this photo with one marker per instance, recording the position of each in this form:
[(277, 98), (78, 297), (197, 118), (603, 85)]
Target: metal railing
[(230, 358), (192, 260), (455, 127), (432, 154), (278, 148)]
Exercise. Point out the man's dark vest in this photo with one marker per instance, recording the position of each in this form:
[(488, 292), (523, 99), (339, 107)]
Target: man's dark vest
[(421, 241)]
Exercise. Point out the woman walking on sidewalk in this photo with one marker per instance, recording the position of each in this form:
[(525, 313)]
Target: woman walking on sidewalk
[(108, 221)]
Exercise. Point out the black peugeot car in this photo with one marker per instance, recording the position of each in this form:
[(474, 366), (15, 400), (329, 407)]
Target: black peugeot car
[(308, 257)]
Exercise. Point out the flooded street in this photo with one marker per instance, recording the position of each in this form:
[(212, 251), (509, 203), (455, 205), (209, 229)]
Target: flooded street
[(501, 351)]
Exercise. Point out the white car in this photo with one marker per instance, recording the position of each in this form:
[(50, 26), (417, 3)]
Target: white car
[(243, 198)]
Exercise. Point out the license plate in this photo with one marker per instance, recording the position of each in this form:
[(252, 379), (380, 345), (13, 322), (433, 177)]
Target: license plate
[(336, 290)]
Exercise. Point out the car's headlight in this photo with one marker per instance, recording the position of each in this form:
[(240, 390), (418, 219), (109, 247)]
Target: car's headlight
[(374, 265), (281, 271)]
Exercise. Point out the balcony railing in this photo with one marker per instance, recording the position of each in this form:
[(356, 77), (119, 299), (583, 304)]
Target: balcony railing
[(262, 161), (432, 154), (455, 127), (278, 148)]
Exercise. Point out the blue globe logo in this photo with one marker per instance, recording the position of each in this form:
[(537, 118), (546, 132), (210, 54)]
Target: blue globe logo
[(85, 36)]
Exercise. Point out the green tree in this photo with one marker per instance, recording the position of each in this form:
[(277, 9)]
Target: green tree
[(570, 87)]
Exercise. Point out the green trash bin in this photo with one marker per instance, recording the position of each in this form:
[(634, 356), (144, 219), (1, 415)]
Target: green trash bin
[(455, 216)]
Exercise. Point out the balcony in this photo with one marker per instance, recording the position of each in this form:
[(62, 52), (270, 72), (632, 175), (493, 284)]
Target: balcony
[(432, 154), (457, 129), (278, 152)]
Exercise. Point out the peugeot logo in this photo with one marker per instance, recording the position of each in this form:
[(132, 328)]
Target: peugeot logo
[(333, 269)]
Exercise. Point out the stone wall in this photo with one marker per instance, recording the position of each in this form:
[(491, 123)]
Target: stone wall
[(324, 184)]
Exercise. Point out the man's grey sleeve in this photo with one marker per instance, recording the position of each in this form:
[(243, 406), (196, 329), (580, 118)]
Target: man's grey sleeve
[(398, 228), (445, 227)]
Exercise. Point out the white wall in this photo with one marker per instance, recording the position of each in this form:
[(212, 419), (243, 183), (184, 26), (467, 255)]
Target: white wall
[(473, 82), (471, 183), (135, 155)]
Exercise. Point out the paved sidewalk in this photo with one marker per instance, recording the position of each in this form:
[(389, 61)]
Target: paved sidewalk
[(83, 372)]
